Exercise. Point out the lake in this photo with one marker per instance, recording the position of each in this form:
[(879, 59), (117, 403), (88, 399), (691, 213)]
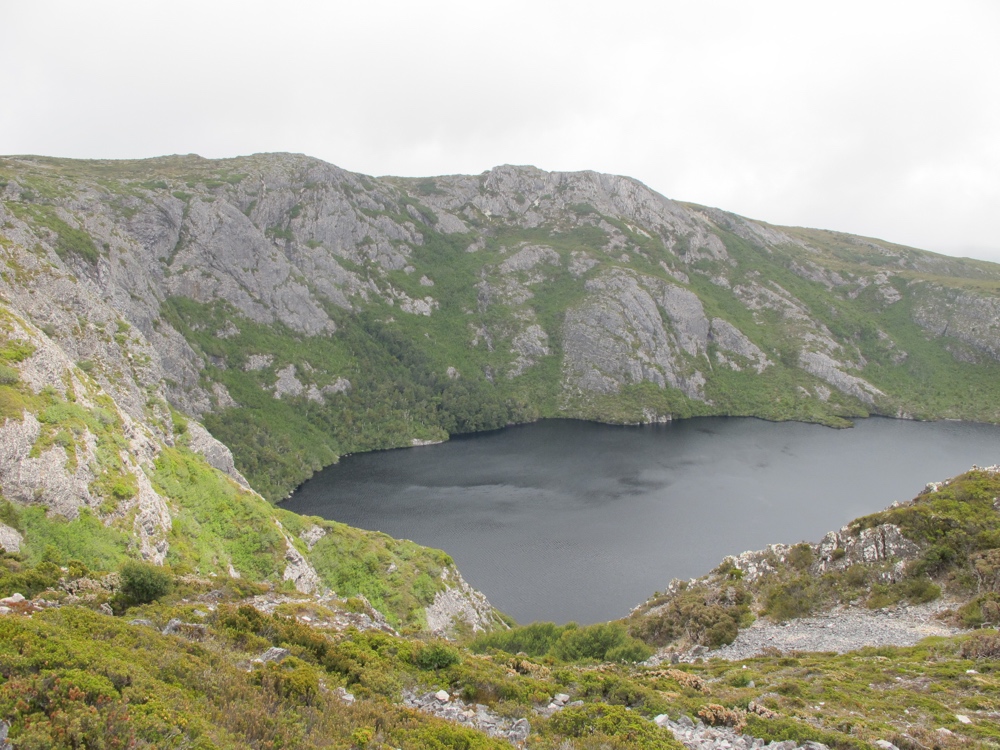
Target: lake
[(565, 520)]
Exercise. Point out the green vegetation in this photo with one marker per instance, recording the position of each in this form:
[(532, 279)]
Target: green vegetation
[(567, 643), (72, 677), (141, 583), (380, 378), (69, 241), (397, 393), (697, 614)]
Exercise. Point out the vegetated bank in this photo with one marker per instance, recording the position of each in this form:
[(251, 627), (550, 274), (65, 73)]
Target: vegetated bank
[(228, 663)]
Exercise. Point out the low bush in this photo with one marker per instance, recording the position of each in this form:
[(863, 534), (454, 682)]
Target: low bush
[(17, 577), (982, 610), (983, 645), (141, 583), (612, 727), (791, 599), (696, 614), (436, 656), (568, 643)]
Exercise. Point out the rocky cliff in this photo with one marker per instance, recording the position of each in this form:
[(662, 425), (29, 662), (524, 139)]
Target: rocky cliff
[(301, 311)]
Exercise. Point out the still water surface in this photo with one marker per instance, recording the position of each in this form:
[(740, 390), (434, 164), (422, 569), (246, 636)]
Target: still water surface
[(564, 520)]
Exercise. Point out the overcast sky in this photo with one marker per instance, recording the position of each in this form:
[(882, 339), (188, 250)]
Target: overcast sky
[(880, 118)]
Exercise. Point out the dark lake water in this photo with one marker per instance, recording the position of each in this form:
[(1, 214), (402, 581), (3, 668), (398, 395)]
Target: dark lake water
[(563, 520)]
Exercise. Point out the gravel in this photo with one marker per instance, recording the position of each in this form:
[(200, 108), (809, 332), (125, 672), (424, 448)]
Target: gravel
[(840, 630)]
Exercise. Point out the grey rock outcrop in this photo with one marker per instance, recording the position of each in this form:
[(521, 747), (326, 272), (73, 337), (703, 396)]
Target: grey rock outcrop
[(826, 368), (731, 340), (973, 319), (10, 539), (298, 570), (217, 454), (841, 549), (460, 604), (618, 335)]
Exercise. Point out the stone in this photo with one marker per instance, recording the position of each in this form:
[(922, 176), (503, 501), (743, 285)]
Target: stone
[(560, 698), (15, 598), (287, 383), (519, 732), (442, 696), (10, 539), (186, 629), (885, 745), (274, 654), (963, 719)]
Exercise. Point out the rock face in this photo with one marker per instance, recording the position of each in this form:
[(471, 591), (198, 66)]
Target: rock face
[(971, 318), (62, 469), (884, 542), (460, 606), (217, 454), (837, 550), (619, 335)]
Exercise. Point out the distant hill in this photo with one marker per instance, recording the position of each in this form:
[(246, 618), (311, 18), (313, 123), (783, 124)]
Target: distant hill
[(301, 312)]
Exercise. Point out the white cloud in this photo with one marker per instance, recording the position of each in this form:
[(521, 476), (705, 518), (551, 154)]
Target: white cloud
[(876, 118)]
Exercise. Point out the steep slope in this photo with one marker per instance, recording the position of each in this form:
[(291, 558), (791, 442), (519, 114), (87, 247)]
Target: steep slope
[(303, 312), (85, 484)]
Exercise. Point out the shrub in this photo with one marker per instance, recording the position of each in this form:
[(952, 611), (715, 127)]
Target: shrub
[(612, 727), (535, 640), (800, 556), (632, 651), (599, 643), (17, 578), (436, 656), (141, 583), (984, 645), (8, 375), (919, 590), (982, 610), (697, 614), (795, 598), (715, 715)]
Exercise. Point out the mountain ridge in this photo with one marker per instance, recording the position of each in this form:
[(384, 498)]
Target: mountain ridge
[(463, 302), (301, 311)]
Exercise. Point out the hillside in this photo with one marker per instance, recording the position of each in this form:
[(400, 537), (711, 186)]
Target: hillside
[(184, 341), (302, 312)]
